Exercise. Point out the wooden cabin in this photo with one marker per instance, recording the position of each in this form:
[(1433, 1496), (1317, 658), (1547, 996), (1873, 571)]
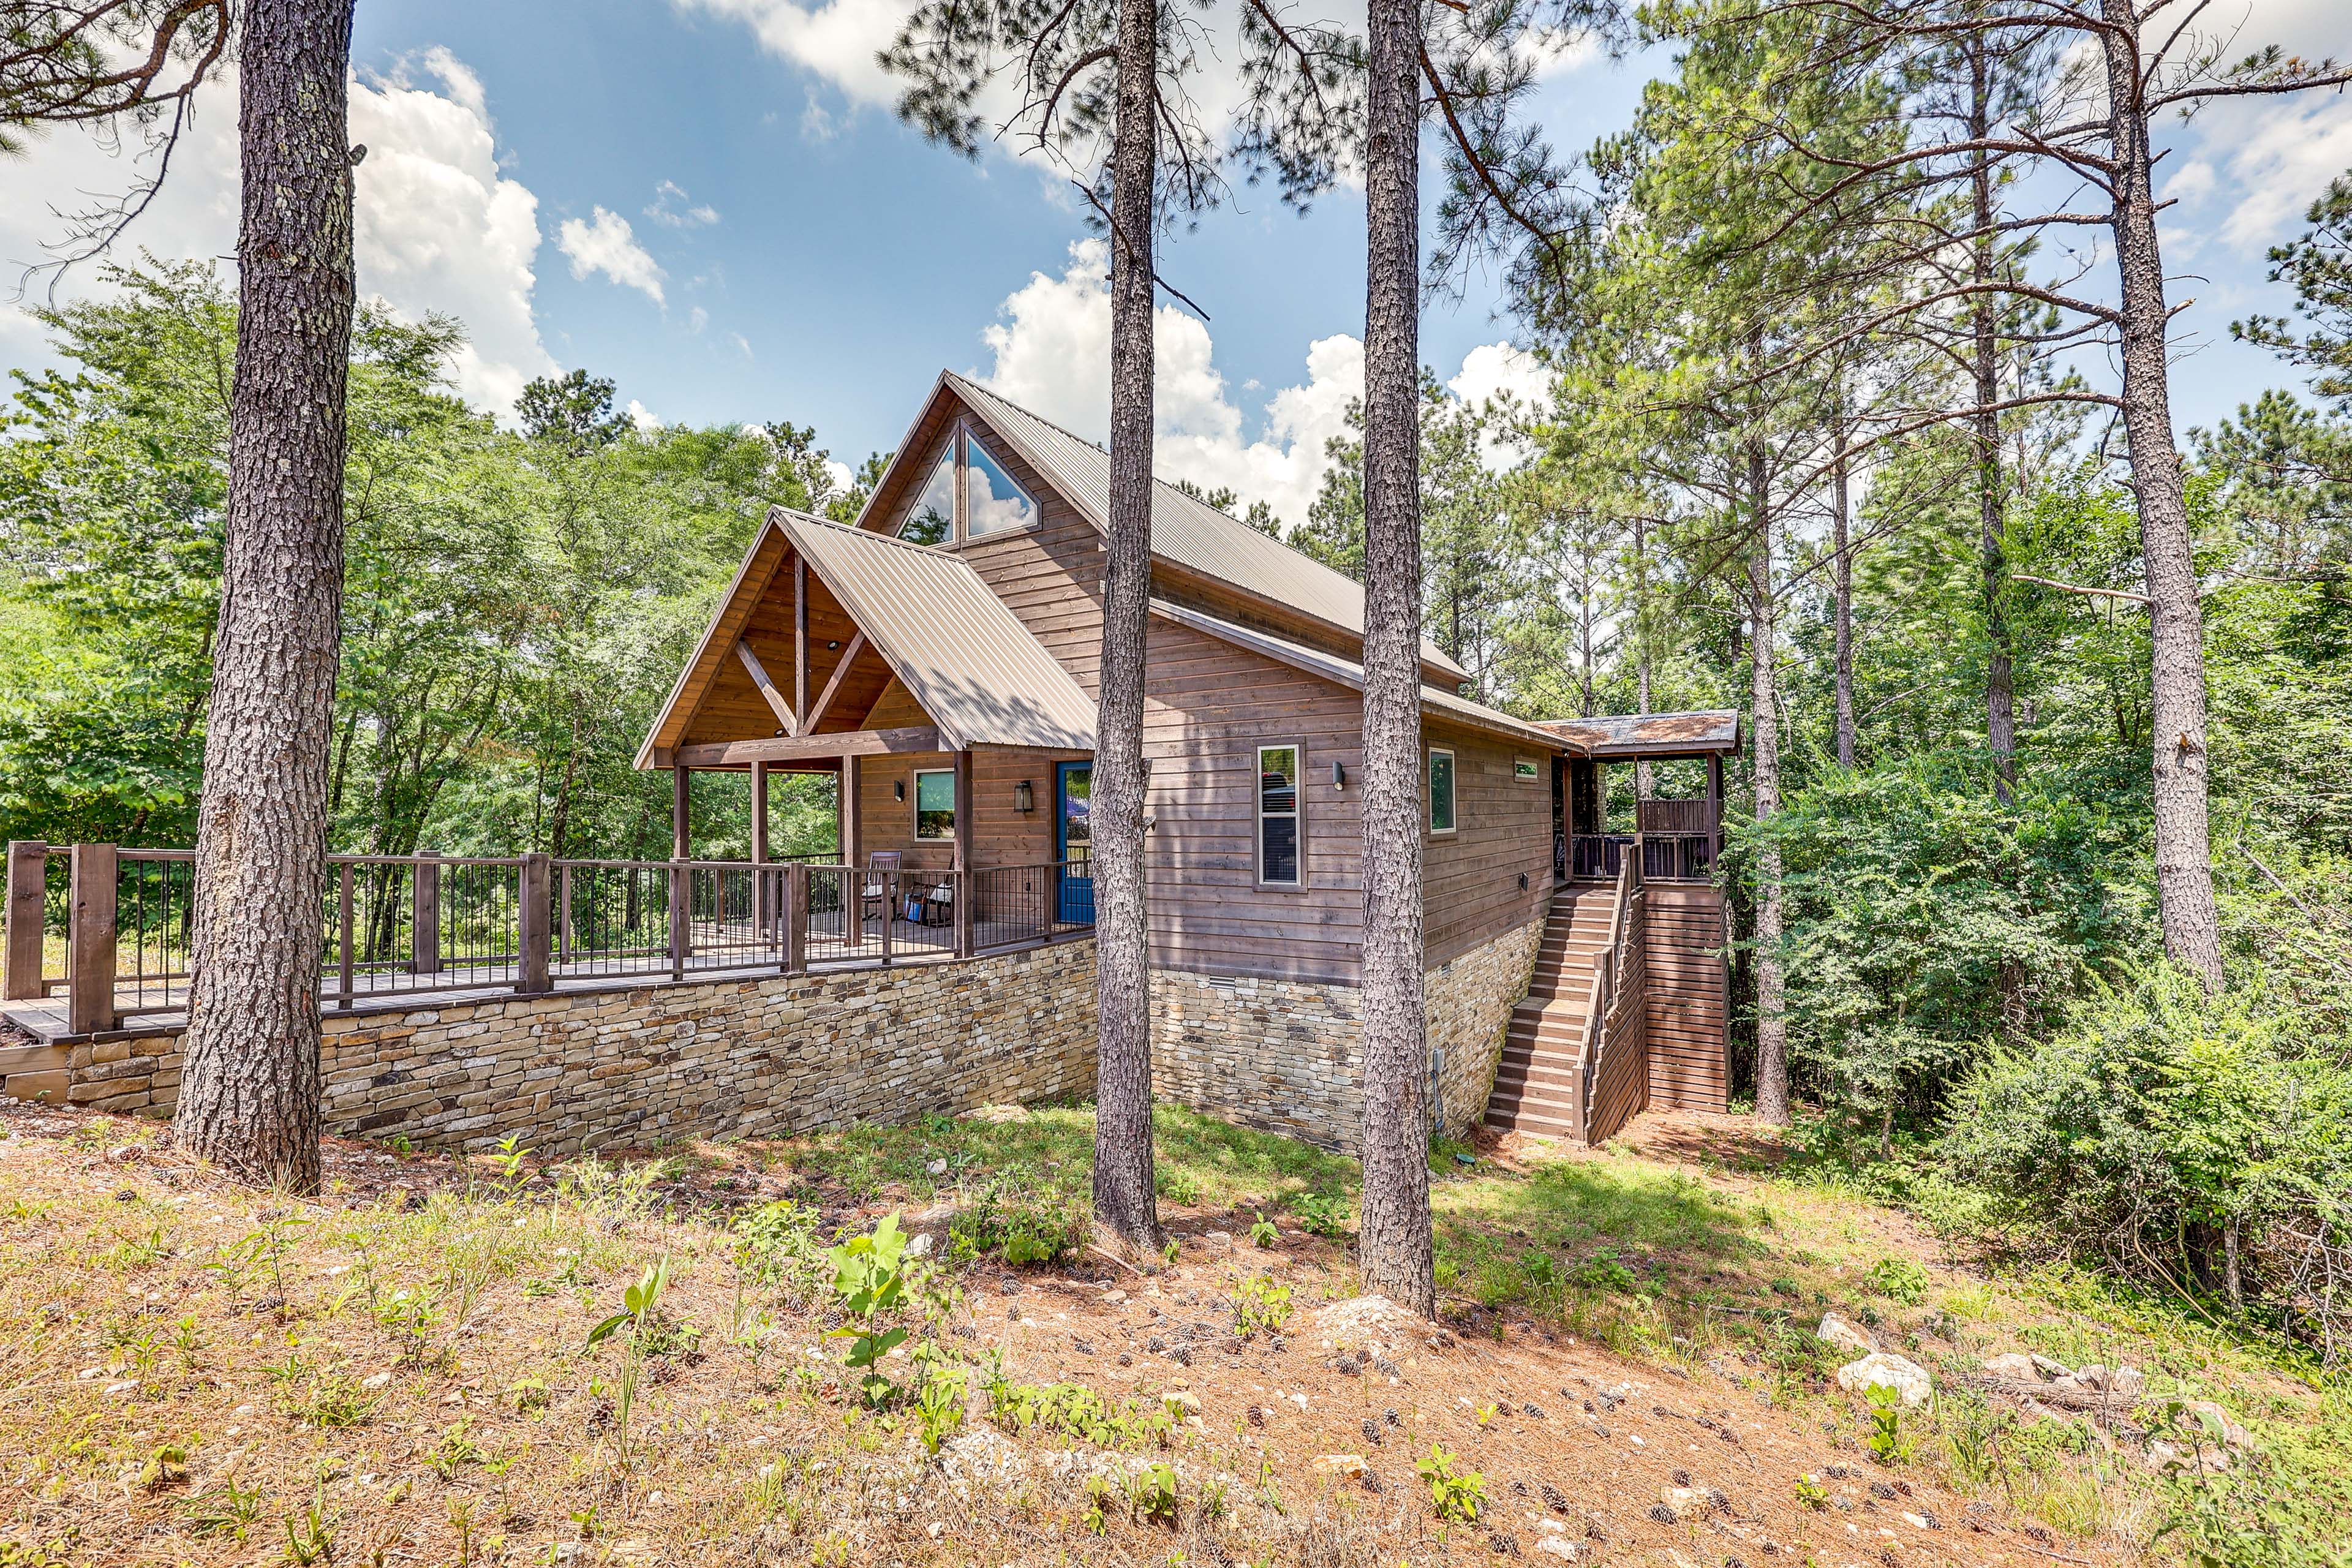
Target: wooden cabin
[(938, 658)]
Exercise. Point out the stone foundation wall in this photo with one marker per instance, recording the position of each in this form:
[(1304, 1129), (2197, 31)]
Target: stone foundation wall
[(1468, 1003), (1289, 1056), (761, 1057)]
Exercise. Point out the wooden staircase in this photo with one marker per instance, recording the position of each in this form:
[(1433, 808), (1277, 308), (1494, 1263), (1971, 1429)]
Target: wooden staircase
[(1539, 1082)]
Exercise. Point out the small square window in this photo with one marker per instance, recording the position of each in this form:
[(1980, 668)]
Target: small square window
[(1527, 770), (1441, 790), (935, 805)]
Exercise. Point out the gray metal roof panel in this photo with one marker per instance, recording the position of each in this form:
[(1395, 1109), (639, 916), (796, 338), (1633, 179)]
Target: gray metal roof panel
[(1186, 531), (1347, 672), (971, 664), (1653, 734)]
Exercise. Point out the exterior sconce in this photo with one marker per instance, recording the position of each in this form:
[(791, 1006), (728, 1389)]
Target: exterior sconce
[(1338, 776), (1025, 799), (897, 789)]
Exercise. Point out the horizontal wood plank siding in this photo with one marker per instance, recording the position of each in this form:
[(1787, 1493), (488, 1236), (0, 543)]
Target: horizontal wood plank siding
[(1689, 1069), (1470, 877), (1002, 835)]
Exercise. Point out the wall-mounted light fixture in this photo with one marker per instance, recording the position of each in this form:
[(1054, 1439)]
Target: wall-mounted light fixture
[(1338, 776), (1025, 799), (897, 789), (831, 646)]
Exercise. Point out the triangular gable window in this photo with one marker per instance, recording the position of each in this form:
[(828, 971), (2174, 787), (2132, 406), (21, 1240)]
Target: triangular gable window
[(994, 503), (931, 520)]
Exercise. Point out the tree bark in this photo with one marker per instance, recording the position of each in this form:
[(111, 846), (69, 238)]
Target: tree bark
[(1125, 1205), (1842, 631), (2184, 868), (1771, 1025), (2001, 703), (1643, 789), (249, 1094), (1397, 1252)]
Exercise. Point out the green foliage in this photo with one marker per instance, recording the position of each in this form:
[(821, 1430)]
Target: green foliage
[(869, 1278), (1321, 1213), (1262, 1232), (1027, 1219), (776, 1243), (938, 1406), (1260, 1304), (638, 1304), (1899, 1280), (1455, 1496), (1886, 1444), (1074, 1411), (2159, 1121)]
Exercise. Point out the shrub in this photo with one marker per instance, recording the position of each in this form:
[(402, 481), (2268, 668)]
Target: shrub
[(1898, 1280)]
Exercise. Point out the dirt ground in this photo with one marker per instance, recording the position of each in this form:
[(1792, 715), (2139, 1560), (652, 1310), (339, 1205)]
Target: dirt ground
[(147, 1386)]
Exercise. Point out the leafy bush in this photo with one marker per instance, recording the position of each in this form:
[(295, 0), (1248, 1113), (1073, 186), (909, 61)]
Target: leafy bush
[(776, 1243), (1177, 1186), (1898, 1280), (1455, 1496), (2166, 1132), (1023, 1216), (1321, 1213)]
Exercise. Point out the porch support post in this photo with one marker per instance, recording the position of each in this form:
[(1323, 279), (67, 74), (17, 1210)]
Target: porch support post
[(681, 879), (966, 885), (535, 897), (796, 903), (681, 798), (90, 999), (761, 916), (848, 807), (28, 877), (1715, 806), (424, 914)]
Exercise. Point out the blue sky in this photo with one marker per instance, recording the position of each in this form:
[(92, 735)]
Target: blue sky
[(710, 202)]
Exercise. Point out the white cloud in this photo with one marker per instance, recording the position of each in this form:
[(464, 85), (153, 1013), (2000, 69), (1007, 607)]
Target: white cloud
[(835, 39), (2282, 154), (1052, 353), (673, 209), (742, 343), (436, 225), (606, 244), (697, 319), (643, 417)]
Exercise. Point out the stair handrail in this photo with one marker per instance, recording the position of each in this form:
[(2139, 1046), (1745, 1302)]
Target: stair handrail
[(1602, 995)]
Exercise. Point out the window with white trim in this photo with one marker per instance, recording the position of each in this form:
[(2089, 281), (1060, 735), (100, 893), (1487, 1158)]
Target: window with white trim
[(993, 501), (1280, 863), (935, 805)]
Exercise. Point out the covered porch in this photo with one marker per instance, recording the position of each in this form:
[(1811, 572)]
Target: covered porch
[(961, 754), (1674, 840)]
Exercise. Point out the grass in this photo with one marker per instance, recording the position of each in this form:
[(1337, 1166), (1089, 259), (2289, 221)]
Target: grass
[(406, 1367)]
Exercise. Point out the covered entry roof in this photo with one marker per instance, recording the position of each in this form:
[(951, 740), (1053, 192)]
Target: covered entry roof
[(1708, 732), (961, 654)]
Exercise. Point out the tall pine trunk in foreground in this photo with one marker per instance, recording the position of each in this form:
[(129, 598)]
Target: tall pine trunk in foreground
[(249, 1095), (2000, 702), (2184, 867), (1771, 1025), (1841, 609), (1397, 1256), (1123, 1202)]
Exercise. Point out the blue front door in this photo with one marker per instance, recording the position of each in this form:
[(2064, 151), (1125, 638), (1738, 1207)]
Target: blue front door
[(1074, 789)]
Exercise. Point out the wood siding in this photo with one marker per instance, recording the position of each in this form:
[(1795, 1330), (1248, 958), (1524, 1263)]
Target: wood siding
[(1002, 835), (1688, 1065), (1621, 1088), (1470, 877)]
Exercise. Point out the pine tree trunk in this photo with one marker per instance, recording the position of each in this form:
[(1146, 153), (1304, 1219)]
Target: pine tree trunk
[(1644, 788), (1771, 1026), (1123, 1202), (2000, 709), (249, 1090), (2184, 868), (1397, 1251), (1842, 631)]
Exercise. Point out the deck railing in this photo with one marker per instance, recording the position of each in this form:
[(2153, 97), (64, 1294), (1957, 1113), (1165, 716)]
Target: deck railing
[(110, 928)]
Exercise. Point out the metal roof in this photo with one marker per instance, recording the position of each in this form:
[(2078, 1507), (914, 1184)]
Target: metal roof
[(1190, 533), (1346, 672), (971, 664), (1653, 734)]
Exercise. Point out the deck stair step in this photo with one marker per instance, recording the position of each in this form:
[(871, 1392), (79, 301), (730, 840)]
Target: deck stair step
[(1539, 1080)]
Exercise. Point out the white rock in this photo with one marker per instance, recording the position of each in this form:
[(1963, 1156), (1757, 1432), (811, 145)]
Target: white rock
[(1845, 1335), (2051, 1369), (2233, 1435), (936, 1168), (2014, 1365), (1347, 1467), (2127, 1383), (1882, 1369), (919, 1248), (1556, 1546)]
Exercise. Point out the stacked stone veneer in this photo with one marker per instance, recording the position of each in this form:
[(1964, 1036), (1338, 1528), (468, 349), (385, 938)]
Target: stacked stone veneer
[(764, 1056), (1289, 1056)]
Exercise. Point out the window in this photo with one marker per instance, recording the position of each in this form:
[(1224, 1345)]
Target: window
[(1441, 790), (992, 502), (1278, 816), (932, 519), (935, 805), (1524, 769)]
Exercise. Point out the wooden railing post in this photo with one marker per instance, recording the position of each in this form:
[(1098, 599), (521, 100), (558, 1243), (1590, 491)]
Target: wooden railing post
[(344, 969), (563, 915), (425, 915), (796, 919), (967, 887), (889, 912), (29, 901), (89, 999), (533, 906), (679, 914)]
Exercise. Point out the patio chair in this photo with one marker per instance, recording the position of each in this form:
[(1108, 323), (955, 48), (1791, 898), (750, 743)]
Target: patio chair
[(874, 897), (934, 906)]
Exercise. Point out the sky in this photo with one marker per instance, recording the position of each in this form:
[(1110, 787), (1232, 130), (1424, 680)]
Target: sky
[(712, 202)]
